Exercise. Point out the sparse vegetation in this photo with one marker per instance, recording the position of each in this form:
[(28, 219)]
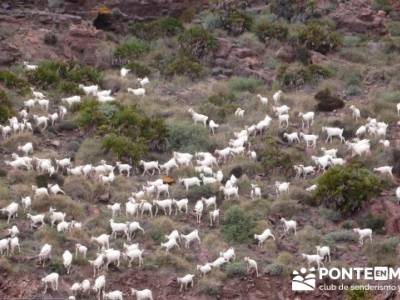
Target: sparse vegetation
[(237, 225)]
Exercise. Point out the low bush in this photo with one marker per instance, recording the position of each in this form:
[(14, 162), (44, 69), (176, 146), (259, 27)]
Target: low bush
[(340, 236), (159, 28), (131, 49), (63, 75), (276, 159), (183, 65), (394, 28), (12, 81), (347, 188), (375, 222), (384, 5), (295, 76), (196, 42), (237, 225), (129, 133), (138, 69), (275, 269), (236, 21), (244, 84), (383, 253), (358, 294), (265, 30), (187, 137), (315, 37), (235, 269), (330, 214), (6, 110), (327, 101)]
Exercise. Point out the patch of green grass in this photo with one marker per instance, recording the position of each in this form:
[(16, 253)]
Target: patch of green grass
[(12, 81), (244, 84), (131, 49)]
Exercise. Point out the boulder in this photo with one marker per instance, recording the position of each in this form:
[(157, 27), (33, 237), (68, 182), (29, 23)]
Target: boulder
[(224, 48)]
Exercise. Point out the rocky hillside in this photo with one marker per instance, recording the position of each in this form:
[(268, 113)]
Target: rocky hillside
[(339, 60)]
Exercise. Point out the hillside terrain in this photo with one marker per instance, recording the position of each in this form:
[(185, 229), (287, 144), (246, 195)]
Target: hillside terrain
[(339, 60)]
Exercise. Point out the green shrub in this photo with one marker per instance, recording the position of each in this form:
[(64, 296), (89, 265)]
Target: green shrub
[(375, 222), (124, 147), (340, 236), (159, 28), (274, 269), (237, 225), (288, 9), (353, 56), (330, 214), (265, 29), (346, 188), (6, 110), (51, 74), (382, 5), (212, 21), (275, 158), (12, 81), (315, 37), (138, 69), (383, 253), (394, 28), (219, 106), (186, 137), (358, 294), (327, 101), (243, 84), (235, 269), (69, 88), (236, 21), (131, 49), (196, 42), (129, 132), (183, 65), (295, 76)]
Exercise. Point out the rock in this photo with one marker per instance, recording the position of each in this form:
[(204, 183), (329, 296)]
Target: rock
[(111, 83), (381, 13), (242, 52), (316, 57), (8, 54), (105, 198), (366, 15), (224, 48), (216, 71), (286, 53), (252, 62), (222, 63), (55, 143)]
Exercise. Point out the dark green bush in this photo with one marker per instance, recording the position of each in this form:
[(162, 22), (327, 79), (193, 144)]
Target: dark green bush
[(64, 76), (236, 21), (183, 65), (235, 269), (265, 29), (347, 188), (243, 84), (186, 137), (375, 222), (132, 49), (274, 269), (138, 69), (237, 225), (274, 158), (159, 28), (124, 147), (129, 133), (384, 5), (197, 42), (6, 110), (294, 76), (12, 81), (358, 294), (315, 37), (328, 101), (220, 106)]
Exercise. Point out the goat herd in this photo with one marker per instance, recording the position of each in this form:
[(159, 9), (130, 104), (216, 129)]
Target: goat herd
[(205, 164)]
